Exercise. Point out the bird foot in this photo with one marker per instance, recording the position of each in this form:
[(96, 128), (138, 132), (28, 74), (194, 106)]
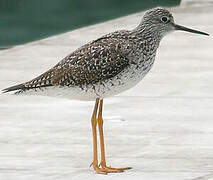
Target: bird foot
[(113, 170), (103, 169)]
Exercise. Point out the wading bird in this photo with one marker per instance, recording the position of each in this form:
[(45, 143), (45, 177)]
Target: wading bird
[(105, 67)]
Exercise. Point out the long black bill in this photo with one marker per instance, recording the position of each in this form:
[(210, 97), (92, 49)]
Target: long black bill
[(182, 28)]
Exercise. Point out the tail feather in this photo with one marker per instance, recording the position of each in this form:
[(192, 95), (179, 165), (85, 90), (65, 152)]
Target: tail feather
[(23, 87), (44, 80), (14, 88)]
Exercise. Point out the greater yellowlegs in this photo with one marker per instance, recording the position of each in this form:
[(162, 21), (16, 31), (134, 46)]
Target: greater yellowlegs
[(105, 67)]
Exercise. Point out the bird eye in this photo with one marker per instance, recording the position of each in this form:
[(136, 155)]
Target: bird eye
[(165, 19)]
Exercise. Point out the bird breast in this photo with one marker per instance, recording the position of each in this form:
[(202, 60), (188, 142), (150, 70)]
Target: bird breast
[(127, 79)]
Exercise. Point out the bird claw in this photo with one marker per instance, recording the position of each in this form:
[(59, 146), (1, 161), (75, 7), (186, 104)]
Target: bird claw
[(103, 169)]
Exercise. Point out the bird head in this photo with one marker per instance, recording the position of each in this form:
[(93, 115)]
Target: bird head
[(162, 22)]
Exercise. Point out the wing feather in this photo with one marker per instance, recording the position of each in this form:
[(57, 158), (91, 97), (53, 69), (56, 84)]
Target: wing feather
[(97, 61)]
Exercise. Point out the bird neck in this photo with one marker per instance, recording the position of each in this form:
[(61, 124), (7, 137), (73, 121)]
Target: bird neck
[(148, 32)]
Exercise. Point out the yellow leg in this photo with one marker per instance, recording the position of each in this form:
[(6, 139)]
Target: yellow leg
[(105, 168), (94, 133)]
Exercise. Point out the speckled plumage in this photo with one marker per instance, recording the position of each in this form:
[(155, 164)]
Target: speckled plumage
[(106, 66), (100, 67)]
